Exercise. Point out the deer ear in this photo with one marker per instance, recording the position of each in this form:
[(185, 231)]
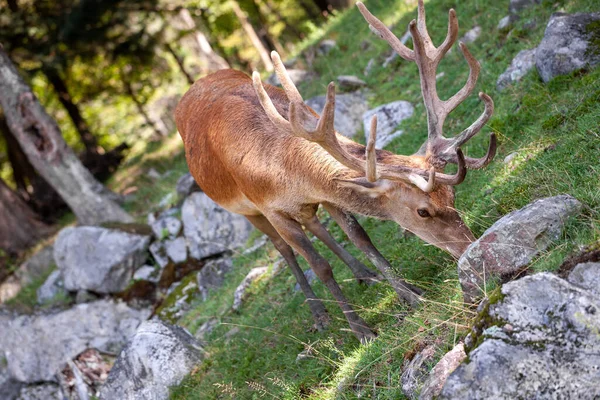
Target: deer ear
[(362, 185)]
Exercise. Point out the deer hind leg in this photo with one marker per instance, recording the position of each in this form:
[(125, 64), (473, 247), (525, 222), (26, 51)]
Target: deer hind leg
[(291, 231), (358, 236), (317, 309), (360, 271)]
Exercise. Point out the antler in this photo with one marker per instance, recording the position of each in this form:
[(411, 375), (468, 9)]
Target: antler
[(427, 57), (325, 135)]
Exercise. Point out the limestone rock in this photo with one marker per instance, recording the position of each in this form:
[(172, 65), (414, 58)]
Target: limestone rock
[(240, 291), (210, 229), (349, 108), (36, 265), (43, 391), (296, 75), (36, 346), (310, 277), (513, 241), (186, 185), (212, 275), (325, 46), (415, 371), (471, 35), (389, 116), (9, 388), (157, 357), (587, 276), (523, 62), (167, 227), (99, 259), (516, 6), (439, 374), (148, 273), (347, 83), (567, 44), (52, 287)]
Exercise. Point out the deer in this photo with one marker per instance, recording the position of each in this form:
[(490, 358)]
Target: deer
[(260, 151)]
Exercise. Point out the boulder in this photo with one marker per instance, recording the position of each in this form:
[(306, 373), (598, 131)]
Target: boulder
[(513, 241), (212, 275), (516, 6), (9, 388), (52, 287), (173, 249), (36, 266), (471, 35), (186, 185), (240, 292), (439, 374), (296, 75), (165, 227), (415, 371), (569, 44), (210, 229), (523, 62), (99, 259), (325, 46), (389, 116), (310, 277), (587, 276), (348, 83), (43, 391), (148, 273), (349, 108), (537, 340), (37, 346), (157, 357)]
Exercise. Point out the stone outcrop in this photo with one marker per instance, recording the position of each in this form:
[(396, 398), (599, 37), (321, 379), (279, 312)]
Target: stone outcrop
[(389, 116), (349, 109), (523, 62)]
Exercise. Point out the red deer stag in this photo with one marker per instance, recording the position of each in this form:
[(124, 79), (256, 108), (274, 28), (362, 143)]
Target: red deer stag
[(252, 160)]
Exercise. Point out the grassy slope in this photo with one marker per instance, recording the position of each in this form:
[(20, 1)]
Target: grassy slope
[(554, 131)]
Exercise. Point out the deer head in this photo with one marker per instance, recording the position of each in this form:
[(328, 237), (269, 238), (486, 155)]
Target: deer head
[(412, 190)]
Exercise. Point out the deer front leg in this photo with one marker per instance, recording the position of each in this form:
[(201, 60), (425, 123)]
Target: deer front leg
[(358, 236), (317, 309), (291, 231), (360, 271)]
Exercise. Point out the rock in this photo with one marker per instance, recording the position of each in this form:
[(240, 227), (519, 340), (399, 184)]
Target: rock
[(83, 377), (538, 340), (206, 328), (369, 67), (153, 174), (513, 241), (157, 357), (240, 291), (212, 275), (348, 83), (148, 273), (9, 388), (439, 374), (43, 391), (518, 5), (186, 185), (99, 259), (415, 371), (36, 346), (9, 289), (296, 75), (210, 229), (176, 249), (167, 227), (349, 108), (471, 35), (506, 22), (567, 44), (159, 253), (36, 266), (325, 46), (523, 62), (52, 287), (509, 158), (587, 276), (310, 277), (389, 116), (83, 296)]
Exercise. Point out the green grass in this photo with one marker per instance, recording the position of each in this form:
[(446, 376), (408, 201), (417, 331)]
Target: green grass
[(552, 128)]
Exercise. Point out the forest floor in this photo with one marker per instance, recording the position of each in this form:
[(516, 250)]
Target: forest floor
[(552, 128)]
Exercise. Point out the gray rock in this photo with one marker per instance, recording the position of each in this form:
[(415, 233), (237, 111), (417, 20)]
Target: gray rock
[(212, 275), (415, 372), (369, 67), (83, 296), (516, 6), (513, 241), (240, 292), (349, 108), (544, 345), (509, 158), (36, 266), (159, 253), (566, 46), (348, 83), (186, 185), (210, 229), (389, 116), (43, 391), (439, 374), (523, 62), (36, 346), (587, 276), (148, 273), (506, 22), (9, 388), (206, 328), (176, 249), (296, 75), (99, 259), (310, 277), (157, 357), (471, 35), (167, 227), (325, 46), (52, 287)]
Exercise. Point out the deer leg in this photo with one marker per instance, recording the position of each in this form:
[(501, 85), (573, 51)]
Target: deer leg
[(359, 237), (291, 231), (317, 309), (360, 271)]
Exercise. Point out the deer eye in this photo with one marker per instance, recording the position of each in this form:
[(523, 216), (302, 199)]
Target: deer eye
[(423, 213)]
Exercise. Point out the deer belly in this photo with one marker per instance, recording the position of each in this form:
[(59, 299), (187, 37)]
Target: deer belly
[(240, 205)]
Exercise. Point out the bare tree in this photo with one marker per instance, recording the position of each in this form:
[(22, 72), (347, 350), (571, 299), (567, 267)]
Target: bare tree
[(42, 142), (256, 42)]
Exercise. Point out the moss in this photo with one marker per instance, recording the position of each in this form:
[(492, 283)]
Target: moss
[(484, 320), (593, 32), (179, 299)]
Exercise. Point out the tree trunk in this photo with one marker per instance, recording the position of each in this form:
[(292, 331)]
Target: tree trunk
[(179, 61), (19, 226), (212, 60), (272, 8), (260, 48), (41, 140), (158, 126), (87, 138), (263, 30)]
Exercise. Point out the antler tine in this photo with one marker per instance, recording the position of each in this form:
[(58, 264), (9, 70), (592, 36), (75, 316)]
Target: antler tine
[(383, 31), (370, 155), (462, 94), (476, 126), (421, 183), (288, 85), (450, 36), (267, 104), (422, 26), (477, 163), (326, 122)]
